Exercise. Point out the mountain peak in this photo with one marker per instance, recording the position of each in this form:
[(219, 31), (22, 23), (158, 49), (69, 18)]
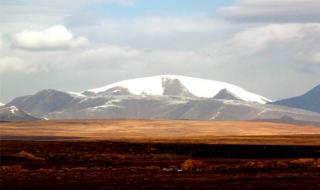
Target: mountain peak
[(44, 101), (225, 94), (173, 87)]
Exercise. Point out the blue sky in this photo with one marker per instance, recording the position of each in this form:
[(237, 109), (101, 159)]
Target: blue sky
[(146, 7), (269, 47)]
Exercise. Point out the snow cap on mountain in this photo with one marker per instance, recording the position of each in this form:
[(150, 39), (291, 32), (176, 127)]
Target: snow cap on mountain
[(156, 85)]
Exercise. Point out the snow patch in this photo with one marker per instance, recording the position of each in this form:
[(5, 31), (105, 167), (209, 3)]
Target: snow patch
[(237, 103), (263, 111), (114, 101), (177, 102), (105, 106), (108, 104), (13, 109), (76, 94), (217, 113)]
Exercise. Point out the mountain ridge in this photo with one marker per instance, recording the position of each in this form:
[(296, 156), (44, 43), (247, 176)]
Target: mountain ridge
[(154, 107)]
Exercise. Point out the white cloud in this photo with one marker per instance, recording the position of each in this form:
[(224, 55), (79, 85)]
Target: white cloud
[(15, 64), (274, 10), (55, 37)]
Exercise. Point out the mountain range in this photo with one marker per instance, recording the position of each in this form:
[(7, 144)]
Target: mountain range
[(159, 97)]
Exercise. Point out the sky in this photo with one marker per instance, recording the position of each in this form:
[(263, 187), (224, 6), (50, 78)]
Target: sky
[(269, 47)]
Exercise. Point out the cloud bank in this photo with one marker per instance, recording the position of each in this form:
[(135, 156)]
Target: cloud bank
[(279, 35)]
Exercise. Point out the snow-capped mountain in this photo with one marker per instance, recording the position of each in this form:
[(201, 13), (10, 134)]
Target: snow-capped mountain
[(308, 101), (176, 85), (1, 104), (12, 113), (159, 97)]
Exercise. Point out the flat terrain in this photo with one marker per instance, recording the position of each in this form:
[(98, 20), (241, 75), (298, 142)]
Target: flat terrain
[(205, 132), (142, 154)]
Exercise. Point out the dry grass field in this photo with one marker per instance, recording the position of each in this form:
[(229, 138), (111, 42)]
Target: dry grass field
[(144, 154), (207, 132)]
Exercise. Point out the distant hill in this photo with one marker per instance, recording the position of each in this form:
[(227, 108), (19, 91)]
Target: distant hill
[(308, 101), (12, 113)]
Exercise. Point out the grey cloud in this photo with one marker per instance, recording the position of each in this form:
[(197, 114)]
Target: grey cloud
[(273, 11)]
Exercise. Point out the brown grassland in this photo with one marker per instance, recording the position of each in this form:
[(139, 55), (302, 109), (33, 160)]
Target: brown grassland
[(158, 154)]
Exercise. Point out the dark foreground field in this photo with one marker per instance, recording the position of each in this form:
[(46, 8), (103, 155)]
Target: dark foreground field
[(116, 165), (159, 155)]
